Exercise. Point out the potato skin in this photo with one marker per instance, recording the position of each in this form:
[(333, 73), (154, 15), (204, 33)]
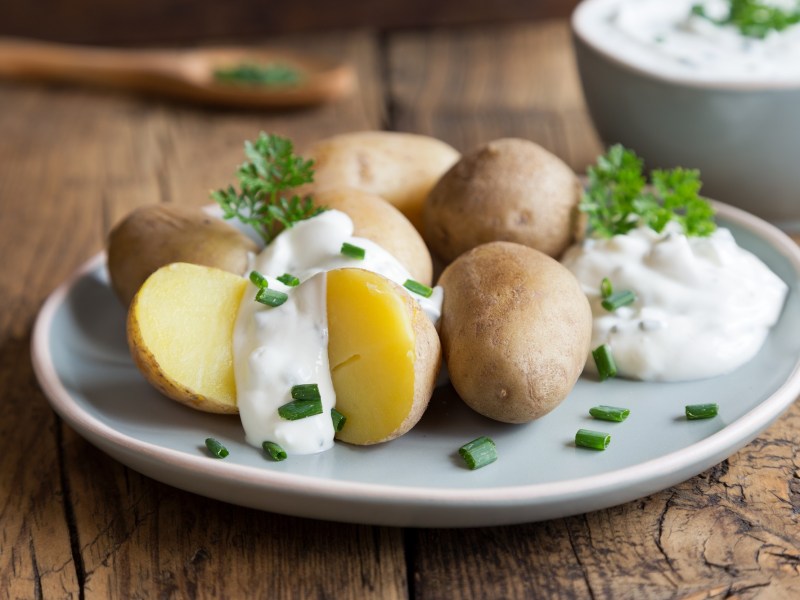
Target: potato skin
[(516, 329), (378, 221), (509, 190), (399, 167), (159, 234)]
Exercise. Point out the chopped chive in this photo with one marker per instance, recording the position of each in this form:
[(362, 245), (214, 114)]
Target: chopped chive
[(479, 452), (338, 419), (271, 297), (606, 289), (217, 449), (258, 280), (609, 413), (305, 391), (289, 279), (596, 440), (418, 288), (274, 450), (618, 299), (701, 411), (606, 367), (300, 409), (353, 251)]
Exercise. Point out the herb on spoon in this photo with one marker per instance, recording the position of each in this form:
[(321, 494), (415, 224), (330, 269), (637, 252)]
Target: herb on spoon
[(754, 18), (619, 199), (254, 74), (265, 200)]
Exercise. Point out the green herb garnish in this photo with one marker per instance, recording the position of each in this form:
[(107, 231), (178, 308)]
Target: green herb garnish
[(216, 449), (305, 391), (479, 452), (289, 279), (609, 413), (418, 288), (701, 411), (265, 201), (603, 359), (338, 420), (596, 440), (353, 251), (300, 409), (618, 198), (618, 299), (274, 450), (754, 18), (254, 74), (258, 280), (273, 298)]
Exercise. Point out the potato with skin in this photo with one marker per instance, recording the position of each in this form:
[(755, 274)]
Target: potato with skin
[(399, 167), (383, 350), (156, 235), (516, 329), (509, 190), (378, 221), (180, 332), (384, 355)]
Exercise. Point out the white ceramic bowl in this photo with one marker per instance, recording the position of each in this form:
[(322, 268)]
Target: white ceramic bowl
[(744, 136)]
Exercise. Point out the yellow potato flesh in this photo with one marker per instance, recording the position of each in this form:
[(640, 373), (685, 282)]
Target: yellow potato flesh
[(181, 331), (371, 349)]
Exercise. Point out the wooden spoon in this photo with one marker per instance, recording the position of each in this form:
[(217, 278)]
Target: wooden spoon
[(183, 74)]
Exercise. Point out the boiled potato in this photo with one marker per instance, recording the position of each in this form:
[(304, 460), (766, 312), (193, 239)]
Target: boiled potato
[(378, 221), (509, 190), (384, 355), (157, 235), (384, 352), (516, 329), (180, 331), (399, 167)]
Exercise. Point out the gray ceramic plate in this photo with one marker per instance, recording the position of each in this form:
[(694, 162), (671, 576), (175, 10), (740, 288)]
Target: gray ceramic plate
[(82, 362)]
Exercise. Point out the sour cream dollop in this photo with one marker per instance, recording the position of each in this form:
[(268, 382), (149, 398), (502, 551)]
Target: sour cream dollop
[(665, 37), (703, 306), (277, 348)]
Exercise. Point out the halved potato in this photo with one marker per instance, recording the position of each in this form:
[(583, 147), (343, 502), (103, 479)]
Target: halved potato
[(180, 331), (384, 352), (384, 355)]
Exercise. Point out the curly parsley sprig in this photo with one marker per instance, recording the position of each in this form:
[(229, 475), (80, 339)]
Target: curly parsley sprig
[(754, 18), (618, 198), (264, 201)]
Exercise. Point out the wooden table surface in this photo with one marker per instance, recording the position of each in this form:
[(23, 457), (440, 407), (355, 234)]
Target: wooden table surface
[(75, 523)]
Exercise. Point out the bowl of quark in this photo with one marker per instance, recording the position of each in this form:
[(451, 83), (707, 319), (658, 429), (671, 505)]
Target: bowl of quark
[(679, 82)]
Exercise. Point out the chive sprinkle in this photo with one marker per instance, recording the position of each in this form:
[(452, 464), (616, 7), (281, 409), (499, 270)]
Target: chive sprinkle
[(618, 299), (258, 280), (274, 450), (300, 409), (418, 288), (338, 420), (606, 367), (596, 440), (353, 251), (289, 279), (479, 452), (701, 411), (216, 448), (271, 297), (606, 289), (609, 413), (305, 391)]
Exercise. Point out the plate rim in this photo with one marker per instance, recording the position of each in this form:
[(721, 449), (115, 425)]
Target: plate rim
[(734, 435)]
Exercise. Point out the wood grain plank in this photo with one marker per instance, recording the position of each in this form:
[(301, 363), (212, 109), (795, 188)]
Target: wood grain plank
[(471, 85), (74, 522)]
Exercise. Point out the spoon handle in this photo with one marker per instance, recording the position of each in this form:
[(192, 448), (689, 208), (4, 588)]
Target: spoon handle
[(22, 59)]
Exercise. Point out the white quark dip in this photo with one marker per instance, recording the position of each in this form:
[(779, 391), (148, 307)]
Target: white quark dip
[(664, 37), (703, 305), (277, 348)]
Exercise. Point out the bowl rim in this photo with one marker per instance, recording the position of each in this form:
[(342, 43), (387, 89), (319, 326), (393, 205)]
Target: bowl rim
[(578, 25)]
